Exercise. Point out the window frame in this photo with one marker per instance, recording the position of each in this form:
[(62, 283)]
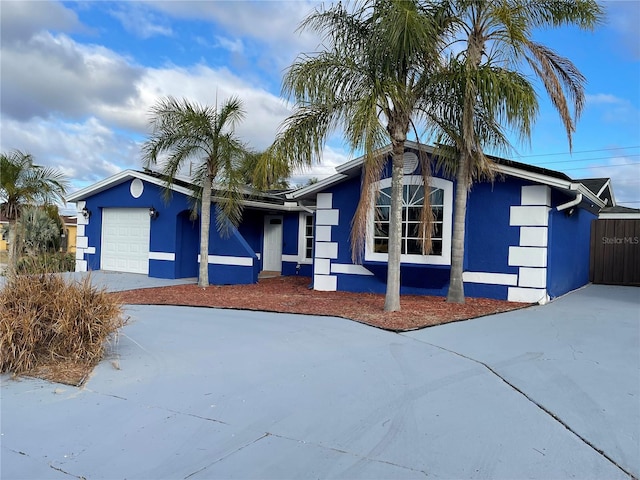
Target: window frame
[(302, 237), (447, 223)]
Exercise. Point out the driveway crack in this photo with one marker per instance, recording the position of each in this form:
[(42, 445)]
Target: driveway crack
[(537, 404)]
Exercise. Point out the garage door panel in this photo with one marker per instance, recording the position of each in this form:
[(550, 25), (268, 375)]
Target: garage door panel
[(125, 240)]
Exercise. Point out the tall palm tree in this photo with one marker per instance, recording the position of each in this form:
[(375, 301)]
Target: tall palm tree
[(23, 183), (367, 82), (485, 89), (183, 132)]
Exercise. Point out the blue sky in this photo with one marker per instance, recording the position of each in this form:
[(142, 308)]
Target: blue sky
[(78, 78)]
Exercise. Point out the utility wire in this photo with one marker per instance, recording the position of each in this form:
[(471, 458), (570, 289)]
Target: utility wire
[(581, 151), (581, 160)]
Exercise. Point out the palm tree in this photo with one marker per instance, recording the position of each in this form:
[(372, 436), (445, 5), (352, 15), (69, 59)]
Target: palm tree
[(486, 88), (23, 183), (184, 132), (368, 82)]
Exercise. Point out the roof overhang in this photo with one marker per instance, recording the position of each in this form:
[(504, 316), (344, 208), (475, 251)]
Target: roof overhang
[(126, 175)]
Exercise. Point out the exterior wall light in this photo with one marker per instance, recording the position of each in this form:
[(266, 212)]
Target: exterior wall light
[(86, 213), (153, 213)]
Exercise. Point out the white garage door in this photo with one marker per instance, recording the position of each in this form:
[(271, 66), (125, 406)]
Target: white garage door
[(125, 240)]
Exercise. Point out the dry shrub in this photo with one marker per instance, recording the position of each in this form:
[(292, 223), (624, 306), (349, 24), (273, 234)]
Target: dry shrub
[(48, 322)]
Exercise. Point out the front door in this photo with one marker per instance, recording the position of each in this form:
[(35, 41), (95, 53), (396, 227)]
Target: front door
[(272, 251)]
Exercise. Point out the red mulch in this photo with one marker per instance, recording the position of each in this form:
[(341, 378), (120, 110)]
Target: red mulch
[(292, 295)]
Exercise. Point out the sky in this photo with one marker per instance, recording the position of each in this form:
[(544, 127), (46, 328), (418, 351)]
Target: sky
[(77, 80)]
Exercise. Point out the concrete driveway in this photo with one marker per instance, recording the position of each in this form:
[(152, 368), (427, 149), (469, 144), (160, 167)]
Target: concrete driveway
[(546, 392)]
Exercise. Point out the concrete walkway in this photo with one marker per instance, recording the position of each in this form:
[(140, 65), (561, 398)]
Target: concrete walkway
[(547, 392)]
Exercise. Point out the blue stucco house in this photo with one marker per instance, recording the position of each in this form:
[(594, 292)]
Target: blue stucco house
[(527, 233)]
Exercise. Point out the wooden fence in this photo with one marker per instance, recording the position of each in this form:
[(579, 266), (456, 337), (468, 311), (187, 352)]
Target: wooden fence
[(615, 252)]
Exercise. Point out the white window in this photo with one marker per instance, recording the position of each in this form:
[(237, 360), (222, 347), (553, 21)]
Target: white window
[(308, 237), (441, 192), (305, 238)]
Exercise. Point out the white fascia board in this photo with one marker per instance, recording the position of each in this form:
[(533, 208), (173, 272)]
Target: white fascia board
[(604, 187), (552, 182), (619, 216), (321, 185), (118, 178)]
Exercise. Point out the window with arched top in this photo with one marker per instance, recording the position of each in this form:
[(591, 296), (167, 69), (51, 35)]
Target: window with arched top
[(413, 192)]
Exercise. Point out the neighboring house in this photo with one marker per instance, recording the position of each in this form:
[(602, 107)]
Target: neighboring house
[(69, 234), (68, 243), (527, 233)]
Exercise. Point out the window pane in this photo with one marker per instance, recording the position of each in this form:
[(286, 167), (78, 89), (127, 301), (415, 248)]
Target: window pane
[(437, 214), (381, 245), (436, 232), (436, 247), (413, 230), (413, 214), (437, 196), (414, 247), (413, 194), (383, 214), (382, 229), (384, 197)]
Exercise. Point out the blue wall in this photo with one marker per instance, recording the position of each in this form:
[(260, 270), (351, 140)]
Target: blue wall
[(174, 232), (569, 248)]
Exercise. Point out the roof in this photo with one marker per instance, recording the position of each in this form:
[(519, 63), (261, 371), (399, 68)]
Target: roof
[(619, 212), (253, 198), (512, 168)]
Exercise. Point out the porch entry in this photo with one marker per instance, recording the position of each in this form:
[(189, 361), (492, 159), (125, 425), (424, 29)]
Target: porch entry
[(272, 249)]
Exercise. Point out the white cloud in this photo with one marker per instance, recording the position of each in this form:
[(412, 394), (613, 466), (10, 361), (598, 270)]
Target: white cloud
[(20, 20), (85, 151), (52, 73), (624, 172), (235, 45), (613, 109), (140, 21)]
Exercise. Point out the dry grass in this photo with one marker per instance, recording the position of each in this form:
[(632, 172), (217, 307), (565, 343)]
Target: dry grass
[(55, 328)]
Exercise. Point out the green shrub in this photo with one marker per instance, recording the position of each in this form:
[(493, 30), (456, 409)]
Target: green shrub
[(46, 263), (46, 320)]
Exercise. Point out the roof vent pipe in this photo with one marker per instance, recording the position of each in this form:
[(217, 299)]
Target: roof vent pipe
[(572, 203)]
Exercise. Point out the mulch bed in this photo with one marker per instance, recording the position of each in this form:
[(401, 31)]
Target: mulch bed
[(292, 295)]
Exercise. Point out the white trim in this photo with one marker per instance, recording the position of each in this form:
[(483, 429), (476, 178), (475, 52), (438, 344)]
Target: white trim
[(79, 231), (316, 186), (527, 256), (90, 250), (532, 277), (121, 177), (349, 269), (534, 236), (323, 233), (82, 242), (80, 253), (302, 237), (290, 258), (527, 295), (229, 260), (325, 283), (322, 266), (447, 223), (326, 250), (81, 265), (619, 216), (533, 216), (490, 278), (136, 188), (535, 195), (171, 257), (324, 201), (327, 217), (604, 187)]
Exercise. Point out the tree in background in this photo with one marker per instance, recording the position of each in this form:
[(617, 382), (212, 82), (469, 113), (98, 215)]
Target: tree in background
[(183, 132), (486, 88), (21, 184)]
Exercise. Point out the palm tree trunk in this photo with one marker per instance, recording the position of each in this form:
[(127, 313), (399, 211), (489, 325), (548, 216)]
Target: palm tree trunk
[(12, 254), (456, 286), (205, 227), (392, 296)]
